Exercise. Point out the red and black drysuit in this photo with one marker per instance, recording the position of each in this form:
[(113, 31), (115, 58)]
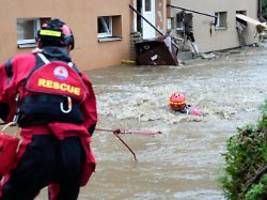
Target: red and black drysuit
[(55, 148)]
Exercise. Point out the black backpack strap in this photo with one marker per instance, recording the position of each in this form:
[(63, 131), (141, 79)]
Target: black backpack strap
[(44, 108), (75, 68), (9, 68), (43, 58), (39, 63)]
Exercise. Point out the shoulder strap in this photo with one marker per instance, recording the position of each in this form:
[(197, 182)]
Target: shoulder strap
[(43, 58), (8, 68), (75, 68), (46, 61), (39, 63)]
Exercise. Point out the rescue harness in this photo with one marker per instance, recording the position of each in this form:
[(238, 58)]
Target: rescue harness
[(52, 92)]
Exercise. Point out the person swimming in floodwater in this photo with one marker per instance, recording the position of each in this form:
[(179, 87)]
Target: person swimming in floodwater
[(177, 102)]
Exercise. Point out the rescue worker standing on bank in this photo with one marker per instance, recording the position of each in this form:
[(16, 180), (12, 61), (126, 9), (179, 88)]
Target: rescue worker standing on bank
[(55, 106)]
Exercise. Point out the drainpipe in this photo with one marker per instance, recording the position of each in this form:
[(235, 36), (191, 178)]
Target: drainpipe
[(134, 17), (164, 14)]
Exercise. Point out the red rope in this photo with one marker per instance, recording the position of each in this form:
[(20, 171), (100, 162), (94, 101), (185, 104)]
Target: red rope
[(126, 145), (135, 132), (116, 132)]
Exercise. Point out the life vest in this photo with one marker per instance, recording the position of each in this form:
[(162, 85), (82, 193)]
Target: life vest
[(53, 91), (177, 102)]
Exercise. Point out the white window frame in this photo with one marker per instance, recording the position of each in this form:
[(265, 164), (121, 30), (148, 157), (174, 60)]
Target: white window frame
[(218, 25), (23, 43), (108, 33), (170, 23)]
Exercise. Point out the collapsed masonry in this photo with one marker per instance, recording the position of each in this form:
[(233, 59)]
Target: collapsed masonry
[(163, 50)]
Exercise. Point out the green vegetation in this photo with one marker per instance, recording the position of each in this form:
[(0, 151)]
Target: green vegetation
[(264, 8), (246, 162)]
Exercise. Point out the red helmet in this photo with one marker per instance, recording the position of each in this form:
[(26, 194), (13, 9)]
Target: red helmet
[(177, 101), (55, 33)]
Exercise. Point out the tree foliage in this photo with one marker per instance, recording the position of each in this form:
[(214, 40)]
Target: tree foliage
[(246, 162), (264, 8)]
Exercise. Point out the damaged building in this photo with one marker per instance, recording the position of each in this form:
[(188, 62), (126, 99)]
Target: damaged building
[(213, 24), (106, 31), (198, 27)]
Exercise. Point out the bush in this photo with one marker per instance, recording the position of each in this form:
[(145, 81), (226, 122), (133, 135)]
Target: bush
[(246, 162)]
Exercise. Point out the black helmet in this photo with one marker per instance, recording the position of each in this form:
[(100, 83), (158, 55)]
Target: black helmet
[(55, 33)]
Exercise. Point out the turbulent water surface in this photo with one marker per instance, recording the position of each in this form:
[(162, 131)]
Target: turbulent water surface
[(184, 162)]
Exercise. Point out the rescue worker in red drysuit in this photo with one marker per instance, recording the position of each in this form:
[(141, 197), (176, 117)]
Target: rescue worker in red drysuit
[(177, 102), (55, 106)]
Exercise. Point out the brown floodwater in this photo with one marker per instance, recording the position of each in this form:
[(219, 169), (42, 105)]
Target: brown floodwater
[(185, 162)]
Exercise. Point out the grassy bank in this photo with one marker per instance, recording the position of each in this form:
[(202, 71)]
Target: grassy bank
[(245, 169)]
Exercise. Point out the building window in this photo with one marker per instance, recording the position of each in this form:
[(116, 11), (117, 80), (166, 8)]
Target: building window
[(242, 12), (109, 28), (148, 6), (221, 21), (170, 23), (104, 26), (184, 22), (241, 25), (180, 21), (27, 30)]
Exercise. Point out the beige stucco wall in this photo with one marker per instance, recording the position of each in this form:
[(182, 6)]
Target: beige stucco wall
[(219, 39), (81, 16)]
